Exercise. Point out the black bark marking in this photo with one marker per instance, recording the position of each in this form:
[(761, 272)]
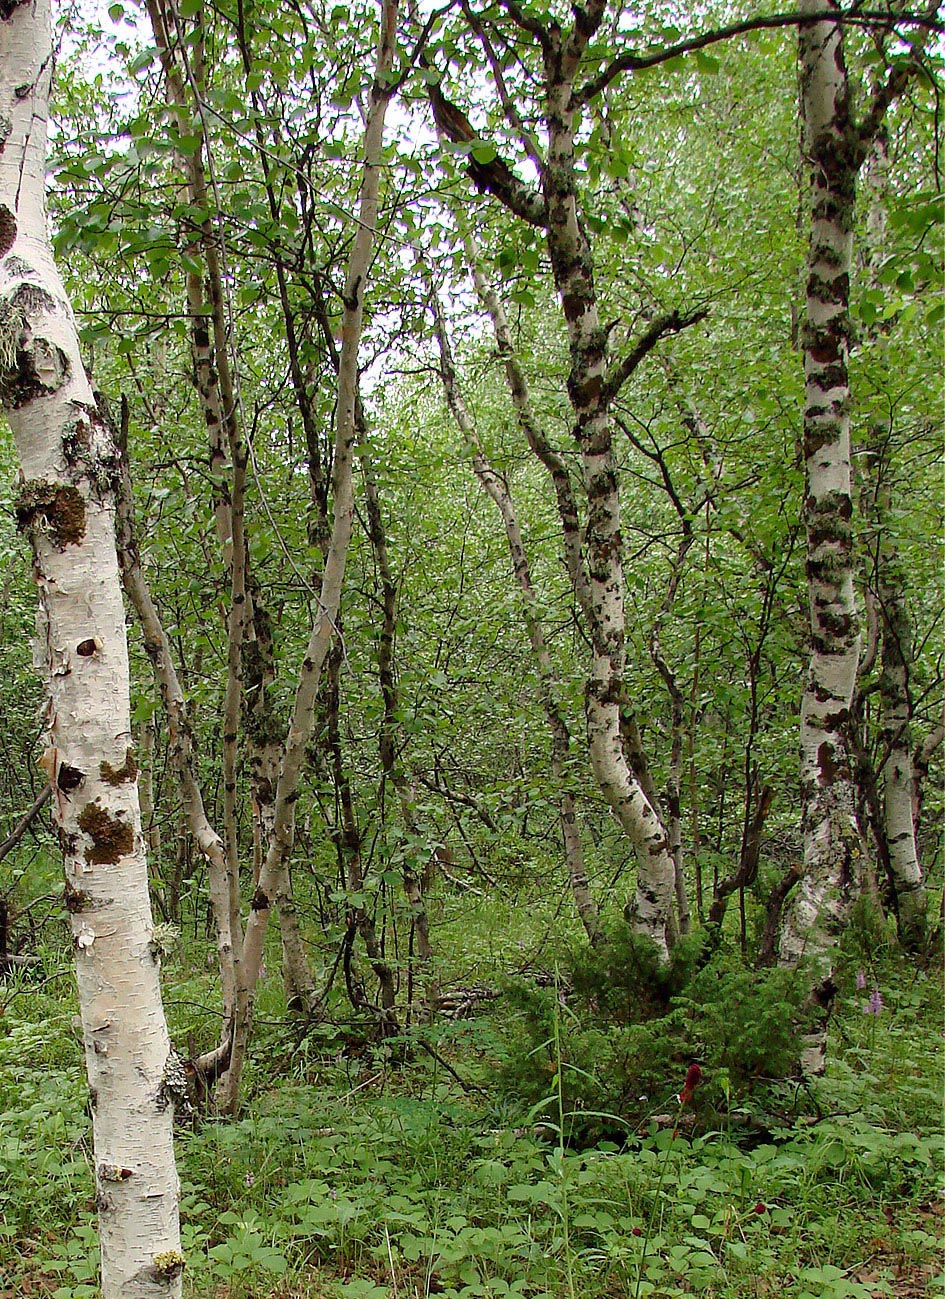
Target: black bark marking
[(24, 385), (830, 769), (76, 900), (7, 230), (260, 901), (69, 778), (114, 1173)]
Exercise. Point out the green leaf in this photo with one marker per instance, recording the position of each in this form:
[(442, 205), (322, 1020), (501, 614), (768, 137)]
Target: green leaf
[(707, 63), (143, 60), (483, 152)]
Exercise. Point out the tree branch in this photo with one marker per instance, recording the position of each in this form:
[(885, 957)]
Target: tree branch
[(633, 62), (494, 177), (508, 103), (39, 802), (900, 74), (527, 23), (673, 323)]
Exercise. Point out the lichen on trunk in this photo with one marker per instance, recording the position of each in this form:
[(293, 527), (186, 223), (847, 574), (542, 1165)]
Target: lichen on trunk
[(70, 468)]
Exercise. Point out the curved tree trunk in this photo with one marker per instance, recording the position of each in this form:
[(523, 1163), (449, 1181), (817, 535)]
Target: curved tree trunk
[(652, 911), (66, 505), (593, 383)]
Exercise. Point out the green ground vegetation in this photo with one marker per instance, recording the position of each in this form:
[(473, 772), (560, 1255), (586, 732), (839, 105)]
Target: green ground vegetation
[(537, 1148)]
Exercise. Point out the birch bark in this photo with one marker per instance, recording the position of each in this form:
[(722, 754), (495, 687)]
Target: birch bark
[(273, 879), (652, 912), (898, 778), (899, 847), (70, 466), (592, 386), (836, 147), (832, 849)]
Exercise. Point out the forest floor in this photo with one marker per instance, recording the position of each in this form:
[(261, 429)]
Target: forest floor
[(362, 1171)]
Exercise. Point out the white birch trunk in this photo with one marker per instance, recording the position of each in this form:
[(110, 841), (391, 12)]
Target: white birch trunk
[(591, 390), (836, 148), (66, 504), (819, 907), (652, 912), (898, 774)]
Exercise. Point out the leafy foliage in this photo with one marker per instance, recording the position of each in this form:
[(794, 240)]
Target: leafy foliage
[(376, 1177), (627, 1029)]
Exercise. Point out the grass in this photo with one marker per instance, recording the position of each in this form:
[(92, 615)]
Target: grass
[(354, 1174)]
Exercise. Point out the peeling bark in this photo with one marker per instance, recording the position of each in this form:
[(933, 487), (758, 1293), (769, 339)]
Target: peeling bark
[(71, 467)]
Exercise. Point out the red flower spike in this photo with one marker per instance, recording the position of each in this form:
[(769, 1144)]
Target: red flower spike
[(760, 1208), (693, 1079)]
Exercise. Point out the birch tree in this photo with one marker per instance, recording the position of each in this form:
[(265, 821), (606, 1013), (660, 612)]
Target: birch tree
[(70, 468), (273, 882), (836, 145), (889, 619), (595, 378), (497, 489)]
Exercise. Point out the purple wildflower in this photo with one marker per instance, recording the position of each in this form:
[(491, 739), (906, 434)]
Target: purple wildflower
[(875, 1004), (860, 980)]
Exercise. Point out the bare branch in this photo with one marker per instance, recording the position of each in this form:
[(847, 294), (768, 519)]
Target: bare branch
[(39, 802)]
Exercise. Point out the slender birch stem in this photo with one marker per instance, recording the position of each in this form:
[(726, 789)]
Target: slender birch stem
[(272, 880), (498, 491)]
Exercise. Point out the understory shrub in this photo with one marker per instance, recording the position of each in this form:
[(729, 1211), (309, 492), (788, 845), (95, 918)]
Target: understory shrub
[(615, 1033)]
